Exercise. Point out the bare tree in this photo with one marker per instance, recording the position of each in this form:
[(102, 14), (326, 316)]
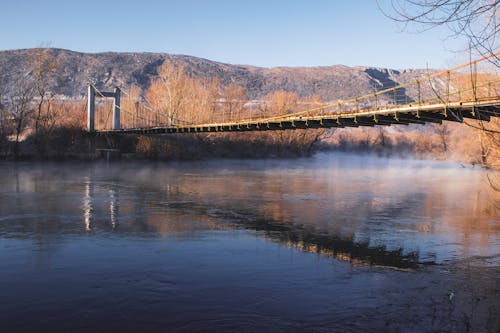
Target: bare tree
[(21, 107), (131, 107), (281, 103), (169, 91), (42, 65), (443, 132), (476, 20), (235, 98), (181, 99)]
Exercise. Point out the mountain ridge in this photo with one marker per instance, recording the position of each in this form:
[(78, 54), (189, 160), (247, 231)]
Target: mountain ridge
[(108, 69)]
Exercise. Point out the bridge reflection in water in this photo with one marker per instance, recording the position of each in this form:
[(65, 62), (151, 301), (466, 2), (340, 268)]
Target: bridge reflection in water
[(190, 202), (296, 236)]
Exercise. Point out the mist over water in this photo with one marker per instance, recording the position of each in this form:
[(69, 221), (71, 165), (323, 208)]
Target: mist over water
[(333, 242)]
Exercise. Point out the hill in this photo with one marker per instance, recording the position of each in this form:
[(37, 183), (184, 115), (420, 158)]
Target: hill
[(109, 69)]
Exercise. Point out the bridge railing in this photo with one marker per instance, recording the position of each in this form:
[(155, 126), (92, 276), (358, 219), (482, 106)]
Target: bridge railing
[(444, 87)]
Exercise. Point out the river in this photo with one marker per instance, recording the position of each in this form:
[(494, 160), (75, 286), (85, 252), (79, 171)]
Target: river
[(336, 242)]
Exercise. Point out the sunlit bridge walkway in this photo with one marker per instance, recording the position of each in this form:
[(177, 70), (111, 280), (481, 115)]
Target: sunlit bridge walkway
[(468, 91)]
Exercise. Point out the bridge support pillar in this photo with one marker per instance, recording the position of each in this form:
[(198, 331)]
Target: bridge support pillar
[(90, 108), (116, 109)]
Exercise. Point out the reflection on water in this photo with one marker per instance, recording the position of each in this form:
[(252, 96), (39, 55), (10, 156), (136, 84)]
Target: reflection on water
[(366, 210), (309, 239), (114, 204), (152, 227), (87, 205)]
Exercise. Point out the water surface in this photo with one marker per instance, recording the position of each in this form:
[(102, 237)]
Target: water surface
[(337, 242)]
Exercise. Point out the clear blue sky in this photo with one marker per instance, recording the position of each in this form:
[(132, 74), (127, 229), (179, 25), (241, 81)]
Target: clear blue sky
[(262, 33)]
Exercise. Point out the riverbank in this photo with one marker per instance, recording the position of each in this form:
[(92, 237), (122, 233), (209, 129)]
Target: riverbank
[(73, 143), (76, 144)]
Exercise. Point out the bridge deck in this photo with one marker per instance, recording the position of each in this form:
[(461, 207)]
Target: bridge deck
[(407, 114)]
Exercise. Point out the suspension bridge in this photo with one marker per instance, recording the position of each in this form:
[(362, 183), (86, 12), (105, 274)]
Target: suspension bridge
[(456, 94)]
